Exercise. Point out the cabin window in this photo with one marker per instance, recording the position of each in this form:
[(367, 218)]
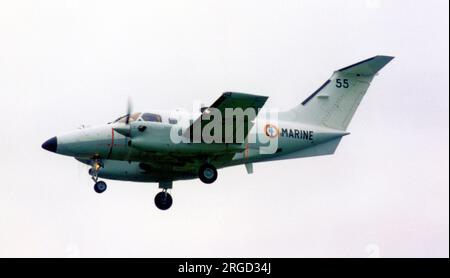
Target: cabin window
[(149, 117), (173, 121)]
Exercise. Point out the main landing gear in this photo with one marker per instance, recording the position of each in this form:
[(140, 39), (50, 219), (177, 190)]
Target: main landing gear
[(163, 200), (99, 186), (207, 173)]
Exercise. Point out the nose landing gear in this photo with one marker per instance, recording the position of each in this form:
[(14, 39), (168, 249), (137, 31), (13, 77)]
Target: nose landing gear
[(99, 186)]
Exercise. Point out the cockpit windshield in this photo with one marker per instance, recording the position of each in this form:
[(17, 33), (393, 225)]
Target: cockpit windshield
[(150, 117), (133, 117)]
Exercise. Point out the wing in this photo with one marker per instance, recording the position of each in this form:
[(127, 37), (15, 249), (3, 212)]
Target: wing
[(233, 112)]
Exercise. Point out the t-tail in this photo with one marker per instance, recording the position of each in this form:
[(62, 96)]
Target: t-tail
[(335, 102)]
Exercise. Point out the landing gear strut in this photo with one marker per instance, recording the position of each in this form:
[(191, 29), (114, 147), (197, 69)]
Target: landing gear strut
[(99, 186), (207, 173), (163, 200)]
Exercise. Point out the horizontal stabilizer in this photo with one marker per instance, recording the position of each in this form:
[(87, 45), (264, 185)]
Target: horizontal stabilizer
[(367, 67)]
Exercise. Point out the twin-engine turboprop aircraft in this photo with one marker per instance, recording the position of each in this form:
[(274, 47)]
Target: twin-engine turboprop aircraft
[(164, 147)]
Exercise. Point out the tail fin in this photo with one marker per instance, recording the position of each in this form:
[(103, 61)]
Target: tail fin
[(335, 102)]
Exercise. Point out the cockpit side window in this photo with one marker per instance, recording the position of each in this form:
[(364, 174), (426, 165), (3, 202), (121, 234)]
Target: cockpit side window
[(149, 117), (173, 121)]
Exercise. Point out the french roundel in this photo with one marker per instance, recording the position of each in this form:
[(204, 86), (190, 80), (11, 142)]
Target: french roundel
[(271, 131)]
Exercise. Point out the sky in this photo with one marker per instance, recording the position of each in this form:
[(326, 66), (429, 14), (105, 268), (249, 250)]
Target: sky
[(384, 193)]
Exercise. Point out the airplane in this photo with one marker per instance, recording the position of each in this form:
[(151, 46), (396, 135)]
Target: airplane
[(140, 147)]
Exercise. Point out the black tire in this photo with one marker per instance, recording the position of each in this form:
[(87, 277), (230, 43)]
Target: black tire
[(207, 173), (163, 200), (100, 187)]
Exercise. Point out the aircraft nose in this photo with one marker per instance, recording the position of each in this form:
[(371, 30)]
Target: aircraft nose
[(50, 144)]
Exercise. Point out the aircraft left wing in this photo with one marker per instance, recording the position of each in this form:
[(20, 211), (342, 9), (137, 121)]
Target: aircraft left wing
[(229, 100)]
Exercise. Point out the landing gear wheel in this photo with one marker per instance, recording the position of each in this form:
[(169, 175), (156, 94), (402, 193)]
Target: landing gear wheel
[(163, 200), (100, 187), (207, 173)]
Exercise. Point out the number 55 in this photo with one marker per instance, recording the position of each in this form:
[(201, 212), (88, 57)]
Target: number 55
[(342, 83)]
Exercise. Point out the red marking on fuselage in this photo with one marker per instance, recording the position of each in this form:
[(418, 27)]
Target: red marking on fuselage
[(246, 151), (112, 142)]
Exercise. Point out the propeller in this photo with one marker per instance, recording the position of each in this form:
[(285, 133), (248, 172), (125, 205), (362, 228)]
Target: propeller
[(126, 129), (129, 111)]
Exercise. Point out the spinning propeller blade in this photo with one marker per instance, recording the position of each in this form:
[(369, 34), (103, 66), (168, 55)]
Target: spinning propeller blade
[(129, 111), (126, 129)]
